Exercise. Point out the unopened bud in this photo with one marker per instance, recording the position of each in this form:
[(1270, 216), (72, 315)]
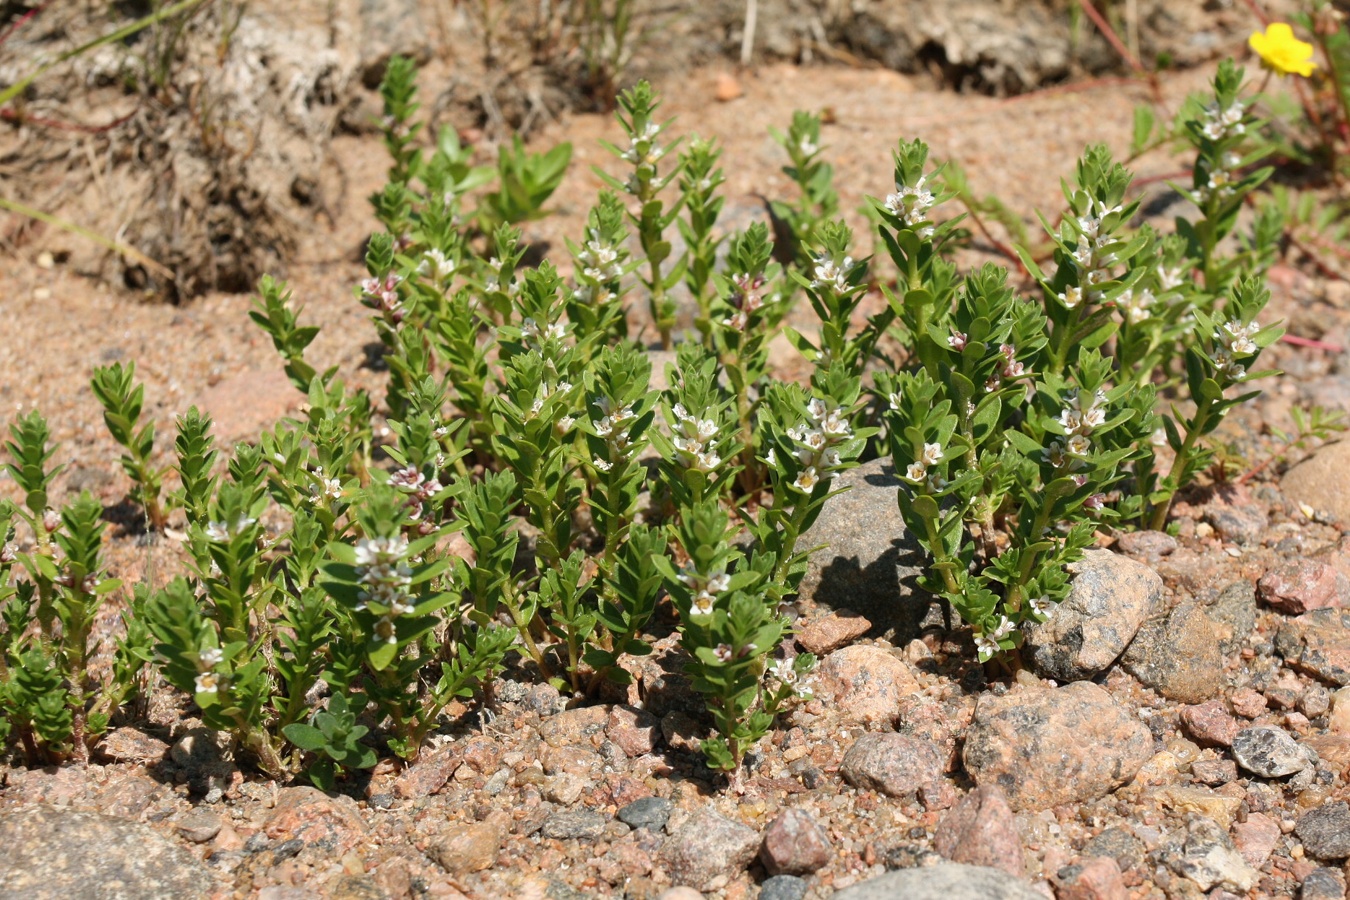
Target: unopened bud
[(50, 520)]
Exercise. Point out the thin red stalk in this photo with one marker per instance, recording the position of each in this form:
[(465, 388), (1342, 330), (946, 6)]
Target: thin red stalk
[(23, 20)]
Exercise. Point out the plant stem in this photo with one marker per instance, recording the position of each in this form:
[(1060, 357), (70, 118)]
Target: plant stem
[(1197, 428)]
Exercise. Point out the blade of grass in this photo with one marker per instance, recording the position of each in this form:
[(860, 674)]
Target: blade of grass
[(125, 31), (129, 252)]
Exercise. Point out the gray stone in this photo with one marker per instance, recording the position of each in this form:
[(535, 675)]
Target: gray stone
[(578, 824), (1233, 613), (1318, 643), (948, 881), (648, 812), (870, 562), (1110, 599), (1205, 855), (782, 887), (1048, 746), (1178, 655), (62, 854), (708, 850), (1325, 832), (1323, 884), (1118, 844), (1269, 752)]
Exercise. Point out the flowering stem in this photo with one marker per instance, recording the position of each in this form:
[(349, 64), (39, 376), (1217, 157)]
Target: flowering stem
[(1179, 465)]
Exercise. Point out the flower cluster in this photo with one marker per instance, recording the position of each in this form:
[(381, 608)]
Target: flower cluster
[(911, 203), (385, 576), (437, 266), (643, 149), (918, 472), (382, 295), (1223, 176), (746, 299), (1011, 368), (831, 276), (419, 489), (546, 391), (1235, 339), (692, 438), (987, 642), (532, 333), (324, 488), (1081, 414), (1090, 257), (1218, 123), (208, 681), (223, 531), (612, 427), (817, 442), (1134, 305), (785, 673)]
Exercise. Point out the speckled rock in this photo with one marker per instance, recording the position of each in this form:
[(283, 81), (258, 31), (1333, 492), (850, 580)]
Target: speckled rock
[(1210, 723), (1204, 854), (1045, 747), (648, 812), (1095, 878), (870, 561), (1325, 831), (866, 683), (948, 881), (1318, 643), (981, 830), (1233, 613), (62, 854), (314, 817), (428, 775), (783, 887), (1256, 838), (1110, 599), (131, 745), (1269, 752), (1323, 884), (897, 765), (472, 847), (794, 844), (1178, 655), (635, 730), (1300, 585), (820, 636), (578, 824), (708, 850), (574, 726), (1320, 481)]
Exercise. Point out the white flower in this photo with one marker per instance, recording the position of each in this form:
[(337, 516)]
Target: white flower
[(602, 465), (956, 340), (772, 458), (565, 424), (806, 480), (1078, 445), (1041, 606), (1238, 337), (932, 453), (209, 658), (385, 630), (719, 582), (783, 671), (708, 460), (986, 646), (207, 683), (1002, 630), (216, 531), (702, 605), (381, 551), (816, 409), (916, 472)]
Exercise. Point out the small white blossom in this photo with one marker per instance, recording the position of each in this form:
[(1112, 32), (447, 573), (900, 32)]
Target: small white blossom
[(207, 683), (931, 455), (916, 472), (806, 480), (1041, 606), (209, 658), (702, 604)]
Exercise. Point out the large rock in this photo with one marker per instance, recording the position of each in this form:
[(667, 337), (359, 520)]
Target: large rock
[(981, 831), (1205, 854), (1320, 481), (1269, 752), (866, 683), (708, 849), (897, 765), (1325, 832), (55, 854), (1111, 597), (1300, 585), (1045, 747), (794, 844), (948, 881), (1178, 655), (1319, 643), (870, 561)]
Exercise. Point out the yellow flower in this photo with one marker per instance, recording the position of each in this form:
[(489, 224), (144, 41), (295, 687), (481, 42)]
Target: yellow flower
[(1281, 52)]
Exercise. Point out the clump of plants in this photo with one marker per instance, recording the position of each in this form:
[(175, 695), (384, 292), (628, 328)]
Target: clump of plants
[(525, 496)]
